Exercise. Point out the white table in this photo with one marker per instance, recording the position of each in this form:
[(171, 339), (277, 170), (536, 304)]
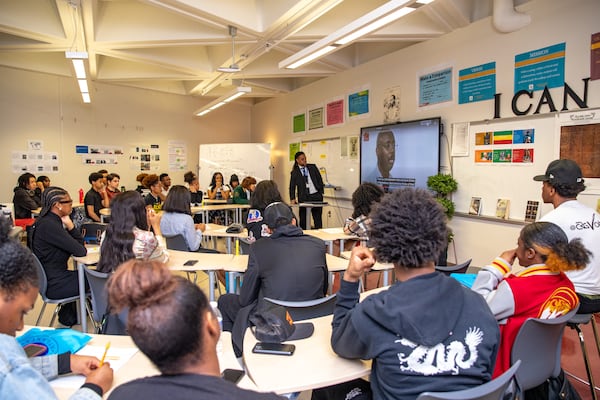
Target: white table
[(205, 209), (216, 231), (140, 366), (386, 268), (329, 235), (207, 262), (313, 364)]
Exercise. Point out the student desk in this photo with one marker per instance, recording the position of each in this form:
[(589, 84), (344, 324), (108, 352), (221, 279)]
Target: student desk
[(207, 262), (139, 365), (104, 212), (215, 231), (329, 235), (205, 209), (377, 267), (313, 364)]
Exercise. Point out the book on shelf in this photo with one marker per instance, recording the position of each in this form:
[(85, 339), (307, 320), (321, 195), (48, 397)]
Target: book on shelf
[(531, 211), (503, 208), (475, 206)]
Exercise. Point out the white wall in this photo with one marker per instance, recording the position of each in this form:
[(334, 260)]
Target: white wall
[(49, 108), (553, 21)]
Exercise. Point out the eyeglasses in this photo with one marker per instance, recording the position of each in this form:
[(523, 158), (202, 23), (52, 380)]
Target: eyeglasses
[(66, 201)]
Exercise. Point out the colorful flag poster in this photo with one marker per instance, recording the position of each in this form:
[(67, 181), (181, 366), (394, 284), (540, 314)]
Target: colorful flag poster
[(540, 68), (523, 136), (503, 137), (522, 155), (483, 156), (477, 83), (483, 138), (502, 156)]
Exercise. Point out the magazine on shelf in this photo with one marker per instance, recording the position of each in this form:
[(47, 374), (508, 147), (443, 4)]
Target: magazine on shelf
[(503, 208), (475, 207), (531, 211)]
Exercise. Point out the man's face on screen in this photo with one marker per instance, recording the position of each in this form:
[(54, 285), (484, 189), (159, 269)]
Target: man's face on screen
[(386, 152)]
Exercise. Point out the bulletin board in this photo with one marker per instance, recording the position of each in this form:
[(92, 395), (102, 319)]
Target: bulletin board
[(502, 171), (338, 162), (242, 159), (499, 177)]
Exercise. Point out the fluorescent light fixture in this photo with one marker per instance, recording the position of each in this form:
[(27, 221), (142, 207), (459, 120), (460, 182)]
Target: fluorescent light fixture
[(221, 101), (79, 68), (376, 19), (83, 86), (77, 58)]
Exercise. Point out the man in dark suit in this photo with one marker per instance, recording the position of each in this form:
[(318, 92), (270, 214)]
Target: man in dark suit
[(306, 185)]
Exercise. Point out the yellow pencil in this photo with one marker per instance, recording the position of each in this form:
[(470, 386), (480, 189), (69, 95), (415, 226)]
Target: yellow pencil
[(105, 351)]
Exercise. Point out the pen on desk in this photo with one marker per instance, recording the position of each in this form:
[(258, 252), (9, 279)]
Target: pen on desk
[(105, 351)]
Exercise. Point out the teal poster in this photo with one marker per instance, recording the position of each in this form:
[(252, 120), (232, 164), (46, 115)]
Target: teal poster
[(477, 83), (540, 68)]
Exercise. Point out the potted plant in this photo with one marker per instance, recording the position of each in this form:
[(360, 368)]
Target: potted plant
[(443, 185)]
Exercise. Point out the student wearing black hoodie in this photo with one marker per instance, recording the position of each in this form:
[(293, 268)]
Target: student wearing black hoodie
[(427, 332)]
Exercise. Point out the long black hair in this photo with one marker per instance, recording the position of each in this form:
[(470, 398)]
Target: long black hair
[(127, 210)]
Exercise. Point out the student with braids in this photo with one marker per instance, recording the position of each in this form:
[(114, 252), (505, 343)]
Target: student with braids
[(171, 322), (22, 377), (541, 290)]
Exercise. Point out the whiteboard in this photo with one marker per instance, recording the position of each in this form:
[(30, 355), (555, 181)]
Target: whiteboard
[(242, 159), (337, 167)]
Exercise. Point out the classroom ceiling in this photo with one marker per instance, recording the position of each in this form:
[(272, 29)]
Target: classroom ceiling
[(176, 46)]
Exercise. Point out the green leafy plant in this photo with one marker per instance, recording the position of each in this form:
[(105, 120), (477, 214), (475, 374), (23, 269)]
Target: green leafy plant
[(443, 186)]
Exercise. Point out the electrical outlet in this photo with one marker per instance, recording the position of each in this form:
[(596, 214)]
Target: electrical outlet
[(329, 214)]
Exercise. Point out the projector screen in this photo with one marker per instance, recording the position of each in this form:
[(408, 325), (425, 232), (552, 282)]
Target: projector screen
[(402, 154)]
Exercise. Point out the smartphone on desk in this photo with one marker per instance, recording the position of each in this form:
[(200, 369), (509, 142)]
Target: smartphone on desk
[(232, 375), (189, 263), (274, 348)]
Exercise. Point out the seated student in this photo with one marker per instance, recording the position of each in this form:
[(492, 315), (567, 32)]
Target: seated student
[(362, 200), (541, 290), (128, 234), (96, 198), (218, 189), (171, 322), (165, 181), (177, 218), (287, 265), (43, 182), (24, 199), (22, 377), (155, 198), (112, 187), (54, 240), (265, 193), (191, 182), (140, 179), (427, 332), (243, 192)]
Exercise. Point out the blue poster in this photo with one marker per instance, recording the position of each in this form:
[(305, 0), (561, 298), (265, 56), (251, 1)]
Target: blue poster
[(539, 68), (477, 83), (358, 103), (435, 87)]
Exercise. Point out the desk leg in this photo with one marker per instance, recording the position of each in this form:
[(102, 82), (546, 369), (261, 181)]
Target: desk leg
[(211, 285), (228, 245), (231, 287), (386, 278), (82, 313)]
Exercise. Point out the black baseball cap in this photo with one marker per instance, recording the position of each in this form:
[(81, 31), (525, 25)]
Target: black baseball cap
[(278, 214), (561, 172), (273, 324)]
